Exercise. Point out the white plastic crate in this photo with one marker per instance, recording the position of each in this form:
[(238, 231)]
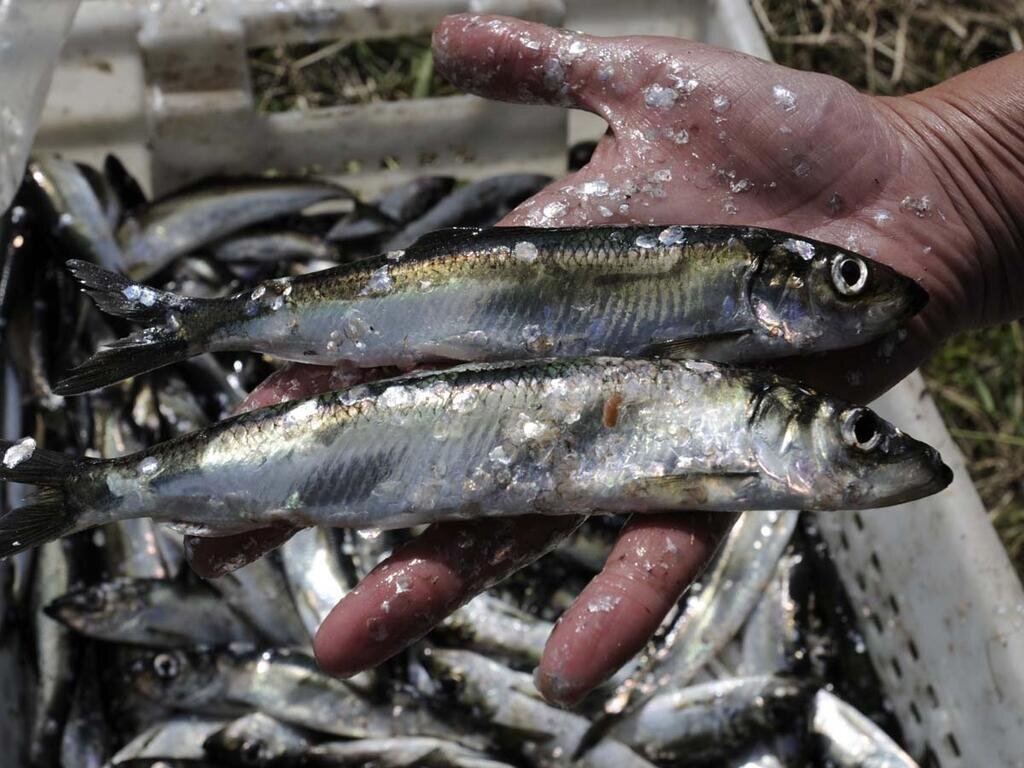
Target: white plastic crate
[(939, 603)]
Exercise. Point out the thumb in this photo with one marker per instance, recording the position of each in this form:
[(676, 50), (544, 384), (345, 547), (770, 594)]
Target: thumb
[(521, 61)]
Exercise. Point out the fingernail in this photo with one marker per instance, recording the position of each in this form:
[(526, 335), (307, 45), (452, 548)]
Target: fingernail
[(556, 690)]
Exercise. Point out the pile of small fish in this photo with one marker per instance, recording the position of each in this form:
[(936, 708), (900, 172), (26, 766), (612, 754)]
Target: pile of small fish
[(596, 375)]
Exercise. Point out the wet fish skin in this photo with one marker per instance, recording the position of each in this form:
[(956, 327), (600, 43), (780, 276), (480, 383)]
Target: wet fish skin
[(189, 219), (481, 203), (86, 739), (772, 635), (150, 612), (490, 626), (57, 651), (851, 739), (179, 737), (316, 578), (286, 685), (75, 212), (508, 702), (254, 592), (557, 437), (408, 201), (399, 752), (712, 720), (715, 292), (259, 741), (270, 246)]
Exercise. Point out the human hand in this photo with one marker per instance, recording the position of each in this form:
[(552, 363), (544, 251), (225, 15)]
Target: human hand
[(702, 135)]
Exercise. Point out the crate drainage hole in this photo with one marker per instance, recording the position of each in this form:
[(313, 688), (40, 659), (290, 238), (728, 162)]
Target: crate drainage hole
[(915, 712), (953, 746)]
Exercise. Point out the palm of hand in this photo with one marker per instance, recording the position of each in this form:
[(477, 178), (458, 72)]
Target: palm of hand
[(697, 135)]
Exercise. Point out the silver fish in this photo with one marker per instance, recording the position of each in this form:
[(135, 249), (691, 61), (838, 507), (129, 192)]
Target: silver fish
[(254, 592), (557, 437), (758, 757), (479, 203), (721, 293), (180, 737), (741, 570), (272, 246), (79, 219), (316, 579), (399, 752), (771, 636), (57, 651), (204, 213), (412, 199), (495, 628), (86, 739), (259, 741), (712, 720), (132, 548), (285, 685), (507, 701), (852, 740), (151, 612)]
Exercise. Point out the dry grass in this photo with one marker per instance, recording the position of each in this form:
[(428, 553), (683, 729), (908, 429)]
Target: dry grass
[(891, 47), (311, 76)]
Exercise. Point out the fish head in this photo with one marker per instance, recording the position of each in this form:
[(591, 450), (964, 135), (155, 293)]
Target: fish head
[(100, 605), (822, 453), (180, 679), (869, 462), (255, 740), (815, 296)]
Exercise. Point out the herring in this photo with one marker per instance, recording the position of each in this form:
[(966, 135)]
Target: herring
[(711, 720), (155, 613), (556, 437), (729, 294), (153, 236)]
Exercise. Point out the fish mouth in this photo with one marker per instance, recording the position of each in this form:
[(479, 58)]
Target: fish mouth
[(934, 476)]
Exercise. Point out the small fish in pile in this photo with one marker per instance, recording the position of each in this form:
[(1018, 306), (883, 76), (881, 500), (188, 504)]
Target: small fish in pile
[(555, 437), (722, 293), (114, 655)]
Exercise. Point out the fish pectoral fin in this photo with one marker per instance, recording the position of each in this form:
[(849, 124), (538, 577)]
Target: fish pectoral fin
[(690, 346), (684, 489), (463, 347)]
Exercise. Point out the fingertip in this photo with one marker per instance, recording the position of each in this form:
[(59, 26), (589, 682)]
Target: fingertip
[(556, 689), (651, 564), (519, 61)]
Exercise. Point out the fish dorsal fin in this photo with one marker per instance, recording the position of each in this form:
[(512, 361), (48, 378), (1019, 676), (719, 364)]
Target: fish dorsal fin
[(448, 239)]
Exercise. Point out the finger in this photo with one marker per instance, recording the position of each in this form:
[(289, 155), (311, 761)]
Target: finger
[(521, 61), (422, 582), (655, 558), (212, 557)]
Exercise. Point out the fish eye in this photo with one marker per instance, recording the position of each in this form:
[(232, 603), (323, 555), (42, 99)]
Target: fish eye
[(861, 429), (93, 600), (252, 752), (849, 274), (166, 666)]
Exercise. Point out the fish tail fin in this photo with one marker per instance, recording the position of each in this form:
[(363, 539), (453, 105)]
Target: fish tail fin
[(120, 296), (133, 355), (178, 330), (48, 516)]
